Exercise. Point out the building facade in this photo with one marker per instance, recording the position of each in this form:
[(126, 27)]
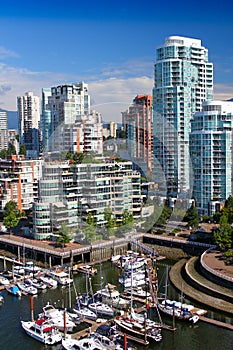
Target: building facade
[(211, 144), (68, 192), (3, 130), (28, 107), (183, 80), (19, 181), (137, 121), (60, 109)]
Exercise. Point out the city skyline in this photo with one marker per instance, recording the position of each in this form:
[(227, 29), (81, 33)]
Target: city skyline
[(110, 46)]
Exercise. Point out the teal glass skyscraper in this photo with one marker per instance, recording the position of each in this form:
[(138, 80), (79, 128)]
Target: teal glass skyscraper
[(183, 80), (211, 142)]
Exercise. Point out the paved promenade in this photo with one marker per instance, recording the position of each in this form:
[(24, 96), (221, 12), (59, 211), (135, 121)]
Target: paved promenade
[(214, 260)]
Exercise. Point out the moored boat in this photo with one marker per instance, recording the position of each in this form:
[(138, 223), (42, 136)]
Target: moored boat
[(57, 318), (179, 310), (111, 296), (14, 290), (42, 330), (1, 298), (101, 308), (49, 281), (82, 344), (26, 288)]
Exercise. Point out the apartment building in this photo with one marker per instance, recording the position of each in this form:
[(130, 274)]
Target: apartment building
[(28, 107), (211, 144), (138, 125), (68, 192), (183, 80), (3, 130), (19, 181)]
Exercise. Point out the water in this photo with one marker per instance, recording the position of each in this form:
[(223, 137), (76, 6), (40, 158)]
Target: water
[(197, 337)]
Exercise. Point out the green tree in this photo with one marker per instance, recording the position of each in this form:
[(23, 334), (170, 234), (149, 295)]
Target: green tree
[(191, 217), (23, 150), (10, 220), (3, 154), (11, 207), (127, 222), (223, 237), (164, 216), (90, 228), (111, 223), (64, 235)]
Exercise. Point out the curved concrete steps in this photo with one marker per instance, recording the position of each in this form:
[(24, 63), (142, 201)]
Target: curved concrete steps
[(181, 284), (204, 284)]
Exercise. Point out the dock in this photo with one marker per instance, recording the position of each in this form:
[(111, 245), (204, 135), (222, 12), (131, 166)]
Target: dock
[(216, 323)]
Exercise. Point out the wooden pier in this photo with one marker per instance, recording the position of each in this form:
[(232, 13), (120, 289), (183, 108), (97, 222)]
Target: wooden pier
[(216, 323)]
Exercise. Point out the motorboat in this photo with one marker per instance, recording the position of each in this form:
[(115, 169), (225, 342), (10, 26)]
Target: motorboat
[(101, 308), (19, 270), (14, 290), (4, 281), (1, 298), (57, 317), (49, 281), (42, 330), (26, 288), (111, 296), (86, 269), (82, 344), (30, 267), (37, 283), (61, 277)]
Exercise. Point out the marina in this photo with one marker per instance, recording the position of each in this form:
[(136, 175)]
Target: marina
[(17, 309)]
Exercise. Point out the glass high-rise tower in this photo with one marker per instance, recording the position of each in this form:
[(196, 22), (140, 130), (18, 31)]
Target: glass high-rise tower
[(183, 80)]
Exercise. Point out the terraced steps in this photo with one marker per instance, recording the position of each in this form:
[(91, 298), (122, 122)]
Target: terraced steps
[(203, 284), (181, 284)]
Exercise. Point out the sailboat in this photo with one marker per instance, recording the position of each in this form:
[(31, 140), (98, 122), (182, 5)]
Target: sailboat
[(177, 309), (139, 326), (98, 306)]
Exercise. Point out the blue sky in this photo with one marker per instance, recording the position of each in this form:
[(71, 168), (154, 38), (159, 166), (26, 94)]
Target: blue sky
[(108, 44)]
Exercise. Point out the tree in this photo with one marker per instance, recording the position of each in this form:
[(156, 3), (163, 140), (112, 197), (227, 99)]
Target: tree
[(90, 228), (10, 207), (164, 216), (10, 220), (64, 235), (111, 222), (23, 150), (3, 154), (191, 217), (127, 222), (223, 237)]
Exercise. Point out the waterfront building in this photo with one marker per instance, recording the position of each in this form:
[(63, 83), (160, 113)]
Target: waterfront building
[(28, 107), (137, 121), (19, 181), (3, 130), (183, 80), (211, 144), (68, 192)]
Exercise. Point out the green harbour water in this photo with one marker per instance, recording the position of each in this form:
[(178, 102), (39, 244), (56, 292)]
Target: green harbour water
[(201, 336)]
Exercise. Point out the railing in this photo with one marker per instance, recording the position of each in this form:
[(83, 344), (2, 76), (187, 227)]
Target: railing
[(199, 244), (212, 271)]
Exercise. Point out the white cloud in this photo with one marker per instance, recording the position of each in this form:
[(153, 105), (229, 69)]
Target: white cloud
[(113, 95), (4, 53), (223, 91)]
